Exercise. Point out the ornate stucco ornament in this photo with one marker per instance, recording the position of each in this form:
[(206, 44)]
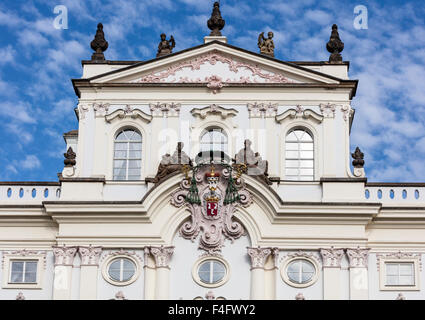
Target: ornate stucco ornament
[(335, 46), (165, 47), (216, 22), (328, 110), (332, 257), (99, 45), (258, 110), (358, 257), (174, 73), (266, 45), (215, 110), (212, 195), (20, 296)]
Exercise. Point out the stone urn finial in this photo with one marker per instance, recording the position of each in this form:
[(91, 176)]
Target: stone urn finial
[(70, 158), (216, 22), (99, 44), (335, 46), (358, 157)]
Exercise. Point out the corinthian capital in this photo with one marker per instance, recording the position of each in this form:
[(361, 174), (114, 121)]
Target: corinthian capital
[(64, 256), (162, 256), (358, 257), (258, 256), (90, 255), (332, 257)]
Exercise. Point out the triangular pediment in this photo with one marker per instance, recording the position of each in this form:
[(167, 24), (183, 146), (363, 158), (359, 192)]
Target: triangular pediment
[(215, 64)]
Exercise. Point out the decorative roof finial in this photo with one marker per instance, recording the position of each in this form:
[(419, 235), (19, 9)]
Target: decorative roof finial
[(216, 22), (266, 45), (70, 158), (165, 46), (99, 44), (358, 157), (335, 46)]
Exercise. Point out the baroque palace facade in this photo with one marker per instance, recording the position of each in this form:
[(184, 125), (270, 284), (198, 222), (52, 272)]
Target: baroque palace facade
[(212, 173)]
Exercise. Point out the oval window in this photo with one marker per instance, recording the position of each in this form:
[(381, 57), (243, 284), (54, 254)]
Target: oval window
[(121, 270)]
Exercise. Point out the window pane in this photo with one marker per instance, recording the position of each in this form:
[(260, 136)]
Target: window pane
[(292, 146), (120, 154), (17, 274), (292, 154), (406, 281), (291, 172), (306, 146), (306, 154), (135, 146), (306, 172), (392, 280), (406, 269), (306, 163), (292, 163), (134, 164), (121, 146), (392, 269)]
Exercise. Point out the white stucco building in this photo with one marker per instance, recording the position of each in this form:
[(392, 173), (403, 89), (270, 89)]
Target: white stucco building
[(287, 217)]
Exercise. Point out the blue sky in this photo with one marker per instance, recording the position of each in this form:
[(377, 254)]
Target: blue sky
[(37, 62)]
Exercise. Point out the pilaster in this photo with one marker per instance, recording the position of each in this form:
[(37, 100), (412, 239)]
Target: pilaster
[(64, 259), (358, 259), (89, 271), (331, 260), (258, 259), (162, 256)]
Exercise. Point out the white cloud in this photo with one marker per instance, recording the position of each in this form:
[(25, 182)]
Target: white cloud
[(30, 162)]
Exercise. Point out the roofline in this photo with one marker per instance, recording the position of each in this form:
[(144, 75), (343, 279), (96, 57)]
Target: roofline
[(29, 183), (291, 64), (396, 184), (85, 83)]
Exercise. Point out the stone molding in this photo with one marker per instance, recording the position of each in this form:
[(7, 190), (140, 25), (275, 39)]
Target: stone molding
[(128, 112), (25, 253), (300, 112), (215, 110), (64, 256)]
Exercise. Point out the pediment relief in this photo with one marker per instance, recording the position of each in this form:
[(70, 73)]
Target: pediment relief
[(214, 66), (300, 112)]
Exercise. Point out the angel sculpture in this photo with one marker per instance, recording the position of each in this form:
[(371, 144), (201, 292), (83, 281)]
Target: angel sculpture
[(165, 46), (266, 45)]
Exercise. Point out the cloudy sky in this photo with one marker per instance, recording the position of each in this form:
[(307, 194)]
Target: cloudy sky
[(37, 62)]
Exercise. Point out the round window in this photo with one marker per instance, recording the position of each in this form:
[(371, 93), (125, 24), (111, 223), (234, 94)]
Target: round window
[(211, 273), (121, 270), (300, 272)]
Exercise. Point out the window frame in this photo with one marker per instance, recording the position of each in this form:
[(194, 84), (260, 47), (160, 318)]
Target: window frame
[(287, 280), (383, 274), (199, 262), (107, 263), (285, 143), (9, 258), (127, 159)]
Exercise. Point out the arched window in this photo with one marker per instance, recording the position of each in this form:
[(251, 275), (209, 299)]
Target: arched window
[(128, 155), (214, 139), (299, 155)]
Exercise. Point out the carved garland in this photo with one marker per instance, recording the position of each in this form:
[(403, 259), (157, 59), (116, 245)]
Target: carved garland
[(25, 253), (399, 255), (212, 58)]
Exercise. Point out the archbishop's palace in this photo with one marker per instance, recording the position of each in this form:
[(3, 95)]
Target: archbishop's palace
[(212, 173)]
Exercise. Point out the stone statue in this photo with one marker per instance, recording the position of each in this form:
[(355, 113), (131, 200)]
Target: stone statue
[(266, 45), (99, 44), (165, 46), (335, 46), (170, 164), (256, 165), (216, 22)]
